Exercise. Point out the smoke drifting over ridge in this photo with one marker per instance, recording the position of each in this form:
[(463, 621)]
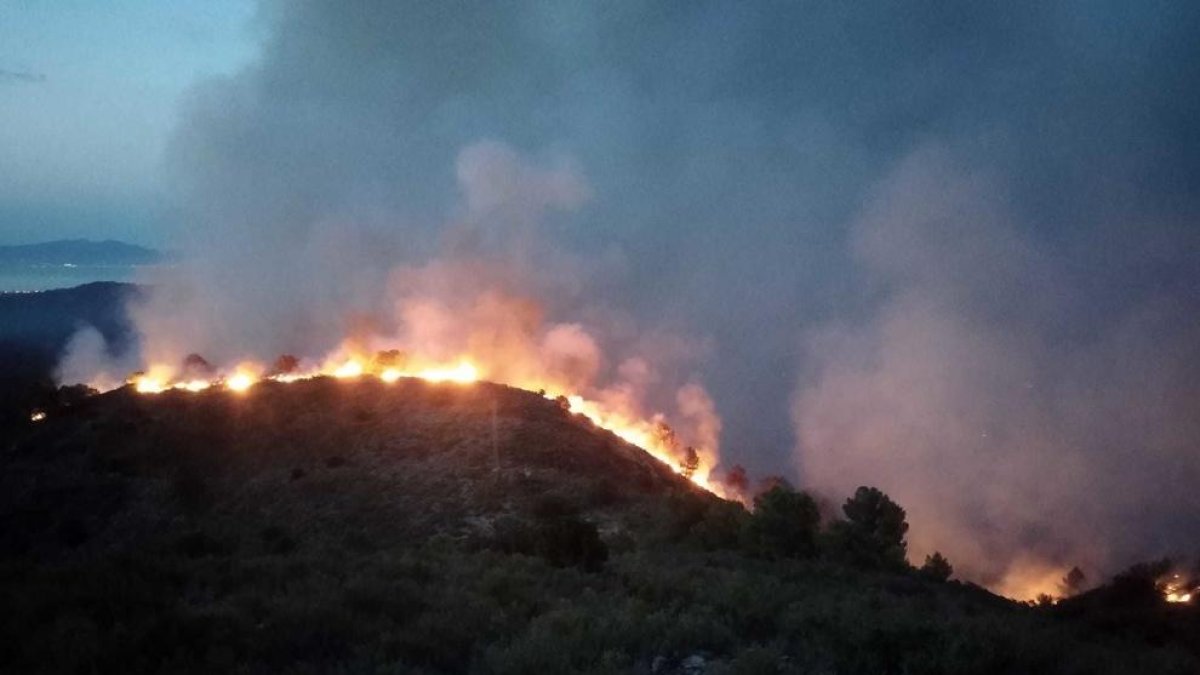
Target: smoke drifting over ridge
[(946, 249), (1017, 442)]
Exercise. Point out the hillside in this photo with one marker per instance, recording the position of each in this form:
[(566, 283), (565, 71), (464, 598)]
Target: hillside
[(354, 526), (35, 329), (38, 325)]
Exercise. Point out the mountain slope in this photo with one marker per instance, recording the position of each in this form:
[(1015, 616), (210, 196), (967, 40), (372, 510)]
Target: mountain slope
[(410, 459), (353, 526)]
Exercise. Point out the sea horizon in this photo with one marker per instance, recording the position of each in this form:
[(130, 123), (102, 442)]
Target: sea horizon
[(36, 278)]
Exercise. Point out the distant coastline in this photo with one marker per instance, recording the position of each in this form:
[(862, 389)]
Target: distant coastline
[(66, 263)]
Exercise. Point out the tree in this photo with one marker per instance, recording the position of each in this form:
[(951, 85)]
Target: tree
[(390, 358), (737, 480), (936, 567), (784, 524), (691, 462), (1073, 582), (872, 535), (195, 365), (285, 364)]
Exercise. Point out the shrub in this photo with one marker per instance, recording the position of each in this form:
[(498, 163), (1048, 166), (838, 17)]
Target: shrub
[(721, 526), (569, 541)]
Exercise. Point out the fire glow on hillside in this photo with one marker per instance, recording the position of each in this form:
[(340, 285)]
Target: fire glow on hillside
[(652, 435), (1176, 589)]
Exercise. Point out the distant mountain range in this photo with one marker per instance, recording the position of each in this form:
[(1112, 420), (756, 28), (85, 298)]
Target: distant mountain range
[(80, 252)]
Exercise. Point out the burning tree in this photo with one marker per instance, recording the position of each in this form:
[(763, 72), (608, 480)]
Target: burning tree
[(737, 480), (391, 358), (1073, 583), (691, 462), (196, 366), (285, 364)]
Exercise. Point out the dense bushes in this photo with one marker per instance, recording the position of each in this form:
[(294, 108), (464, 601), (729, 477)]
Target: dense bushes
[(556, 533), (441, 607), (786, 523)]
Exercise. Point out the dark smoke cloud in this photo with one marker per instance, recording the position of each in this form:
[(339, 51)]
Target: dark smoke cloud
[(1020, 296)]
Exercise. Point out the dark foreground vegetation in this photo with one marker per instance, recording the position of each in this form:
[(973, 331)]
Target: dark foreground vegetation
[(330, 526)]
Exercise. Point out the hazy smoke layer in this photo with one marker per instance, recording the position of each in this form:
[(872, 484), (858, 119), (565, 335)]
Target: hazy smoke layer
[(1021, 437)]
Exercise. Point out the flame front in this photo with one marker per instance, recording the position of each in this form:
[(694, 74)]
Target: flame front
[(1176, 589), (463, 371)]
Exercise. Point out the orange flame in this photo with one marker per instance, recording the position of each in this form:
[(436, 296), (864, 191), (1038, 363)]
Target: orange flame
[(644, 433), (1176, 589)]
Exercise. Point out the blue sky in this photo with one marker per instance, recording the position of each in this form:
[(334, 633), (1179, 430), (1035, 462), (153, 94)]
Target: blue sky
[(88, 104)]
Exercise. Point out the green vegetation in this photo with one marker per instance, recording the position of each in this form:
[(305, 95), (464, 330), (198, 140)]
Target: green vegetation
[(334, 527)]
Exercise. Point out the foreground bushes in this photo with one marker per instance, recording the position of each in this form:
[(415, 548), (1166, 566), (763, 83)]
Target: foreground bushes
[(444, 608)]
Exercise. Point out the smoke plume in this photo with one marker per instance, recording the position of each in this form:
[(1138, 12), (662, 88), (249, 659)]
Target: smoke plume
[(1020, 443)]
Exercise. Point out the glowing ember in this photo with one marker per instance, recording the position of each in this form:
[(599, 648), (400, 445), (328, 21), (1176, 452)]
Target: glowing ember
[(148, 385), (463, 373), (348, 369), (239, 382), (37, 416), (1176, 589), (194, 385)]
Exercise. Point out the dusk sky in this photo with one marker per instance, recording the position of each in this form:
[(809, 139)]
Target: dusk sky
[(950, 249), (89, 93)]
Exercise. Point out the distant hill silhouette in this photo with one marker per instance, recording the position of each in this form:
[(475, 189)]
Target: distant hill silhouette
[(79, 252)]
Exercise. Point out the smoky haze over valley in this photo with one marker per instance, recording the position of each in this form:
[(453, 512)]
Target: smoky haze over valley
[(949, 250)]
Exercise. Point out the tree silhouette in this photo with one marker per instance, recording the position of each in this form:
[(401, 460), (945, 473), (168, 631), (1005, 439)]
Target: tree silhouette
[(285, 364), (1073, 582), (784, 523), (936, 567), (195, 365), (873, 533)]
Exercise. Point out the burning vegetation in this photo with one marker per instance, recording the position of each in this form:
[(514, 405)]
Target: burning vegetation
[(1178, 587), (613, 413)]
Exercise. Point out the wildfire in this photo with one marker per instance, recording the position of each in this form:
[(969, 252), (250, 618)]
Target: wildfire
[(240, 382), (390, 367), (463, 373), (1176, 589), (37, 416), (351, 368)]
